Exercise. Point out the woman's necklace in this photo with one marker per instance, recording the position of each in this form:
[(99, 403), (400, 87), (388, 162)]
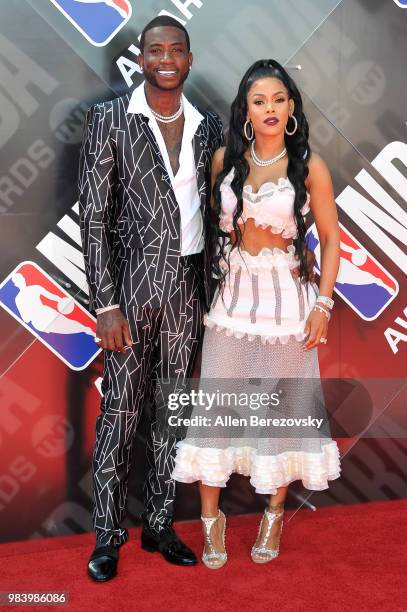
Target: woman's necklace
[(265, 162), (169, 118)]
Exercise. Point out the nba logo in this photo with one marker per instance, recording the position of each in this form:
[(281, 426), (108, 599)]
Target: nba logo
[(36, 301), (362, 282), (97, 20), (401, 3)]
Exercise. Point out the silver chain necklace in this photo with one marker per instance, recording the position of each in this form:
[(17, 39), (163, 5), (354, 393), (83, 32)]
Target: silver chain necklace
[(169, 118), (265, 162)]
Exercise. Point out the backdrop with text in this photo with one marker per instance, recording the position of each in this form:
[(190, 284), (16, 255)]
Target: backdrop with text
[(57, 57)]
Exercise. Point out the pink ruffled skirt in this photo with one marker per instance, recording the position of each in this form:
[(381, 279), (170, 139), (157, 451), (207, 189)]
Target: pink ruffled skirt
[(261, 297)]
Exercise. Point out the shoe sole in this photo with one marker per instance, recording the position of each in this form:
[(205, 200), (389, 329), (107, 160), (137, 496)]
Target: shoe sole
[(263, 561), (101, 579), (214, 567), (152, 549)]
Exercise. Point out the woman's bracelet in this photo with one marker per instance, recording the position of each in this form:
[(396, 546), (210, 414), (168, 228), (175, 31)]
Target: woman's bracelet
[(326, 313), (326, 301)]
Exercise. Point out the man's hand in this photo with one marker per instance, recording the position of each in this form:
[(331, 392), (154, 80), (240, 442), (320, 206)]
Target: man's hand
[(295, 272), (113, 330)]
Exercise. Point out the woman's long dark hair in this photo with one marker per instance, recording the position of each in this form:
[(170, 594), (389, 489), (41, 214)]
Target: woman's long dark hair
[(298, 152)]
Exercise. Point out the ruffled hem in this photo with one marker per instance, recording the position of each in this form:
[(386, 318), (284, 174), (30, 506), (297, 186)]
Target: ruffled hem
[(265, 338), (214, 466)]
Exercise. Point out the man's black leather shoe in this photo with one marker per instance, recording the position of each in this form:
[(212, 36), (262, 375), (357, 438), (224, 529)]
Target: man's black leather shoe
[(169, 545), (102, 564)]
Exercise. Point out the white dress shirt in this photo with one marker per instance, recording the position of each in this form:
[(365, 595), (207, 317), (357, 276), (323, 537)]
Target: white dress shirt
[(184, 182)]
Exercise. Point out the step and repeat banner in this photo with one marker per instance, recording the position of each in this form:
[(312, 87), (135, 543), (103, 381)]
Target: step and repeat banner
[(57, 57)]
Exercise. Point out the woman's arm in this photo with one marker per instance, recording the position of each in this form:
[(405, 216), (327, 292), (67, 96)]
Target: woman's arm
[(323, 208)]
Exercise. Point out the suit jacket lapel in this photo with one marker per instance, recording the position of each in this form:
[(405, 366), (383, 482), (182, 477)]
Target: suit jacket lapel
[(200, 148), (148, 133), (200, 153)]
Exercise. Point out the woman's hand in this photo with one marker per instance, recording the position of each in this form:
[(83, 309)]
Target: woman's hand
[(316, 328)]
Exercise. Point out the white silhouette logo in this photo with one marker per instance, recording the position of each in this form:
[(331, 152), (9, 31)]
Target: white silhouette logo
[(44, 318)]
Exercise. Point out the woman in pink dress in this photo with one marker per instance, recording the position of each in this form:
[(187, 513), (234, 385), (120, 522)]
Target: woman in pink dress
[(265, 322)]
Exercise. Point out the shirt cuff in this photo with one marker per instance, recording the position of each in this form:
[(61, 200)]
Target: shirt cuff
[(106, 308)]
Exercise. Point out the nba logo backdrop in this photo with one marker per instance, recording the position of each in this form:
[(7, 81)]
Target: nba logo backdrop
[(97, 20), (38, 303), (362, 282)]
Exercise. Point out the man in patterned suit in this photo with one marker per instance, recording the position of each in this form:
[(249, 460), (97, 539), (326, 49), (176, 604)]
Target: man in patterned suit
[(143, 191)]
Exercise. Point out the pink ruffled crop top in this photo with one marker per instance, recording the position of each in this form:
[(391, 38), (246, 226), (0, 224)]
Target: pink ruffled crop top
[(271, 207)]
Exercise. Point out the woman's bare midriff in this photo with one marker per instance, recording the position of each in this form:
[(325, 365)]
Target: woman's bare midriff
[(256, 238)]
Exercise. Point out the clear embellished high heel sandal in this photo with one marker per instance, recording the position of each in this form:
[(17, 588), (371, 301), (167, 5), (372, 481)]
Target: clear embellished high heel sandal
[(263, 553), (213, 559)]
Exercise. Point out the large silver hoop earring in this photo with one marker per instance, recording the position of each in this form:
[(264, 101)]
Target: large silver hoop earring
[(295, 126), (249, 138)]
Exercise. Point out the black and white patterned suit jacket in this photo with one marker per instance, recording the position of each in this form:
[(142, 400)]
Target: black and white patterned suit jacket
[(129, 217)]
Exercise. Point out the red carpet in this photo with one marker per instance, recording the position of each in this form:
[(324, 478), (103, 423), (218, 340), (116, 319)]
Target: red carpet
[(336, 559)]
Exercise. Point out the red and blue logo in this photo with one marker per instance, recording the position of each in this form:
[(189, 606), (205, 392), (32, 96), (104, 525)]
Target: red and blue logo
[(362, 282), (44, 308), (97, 20), (401, 3)]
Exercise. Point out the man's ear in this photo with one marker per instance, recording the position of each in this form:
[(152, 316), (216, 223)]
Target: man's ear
[(140, 61)]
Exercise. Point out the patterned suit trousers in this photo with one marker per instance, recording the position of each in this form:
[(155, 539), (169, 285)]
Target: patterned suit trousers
[(165, 342)]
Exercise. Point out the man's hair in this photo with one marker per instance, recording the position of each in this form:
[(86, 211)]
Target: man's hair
[(162, 21)]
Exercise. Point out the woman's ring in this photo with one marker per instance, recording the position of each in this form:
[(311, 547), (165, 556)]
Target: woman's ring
[(323, 340)]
